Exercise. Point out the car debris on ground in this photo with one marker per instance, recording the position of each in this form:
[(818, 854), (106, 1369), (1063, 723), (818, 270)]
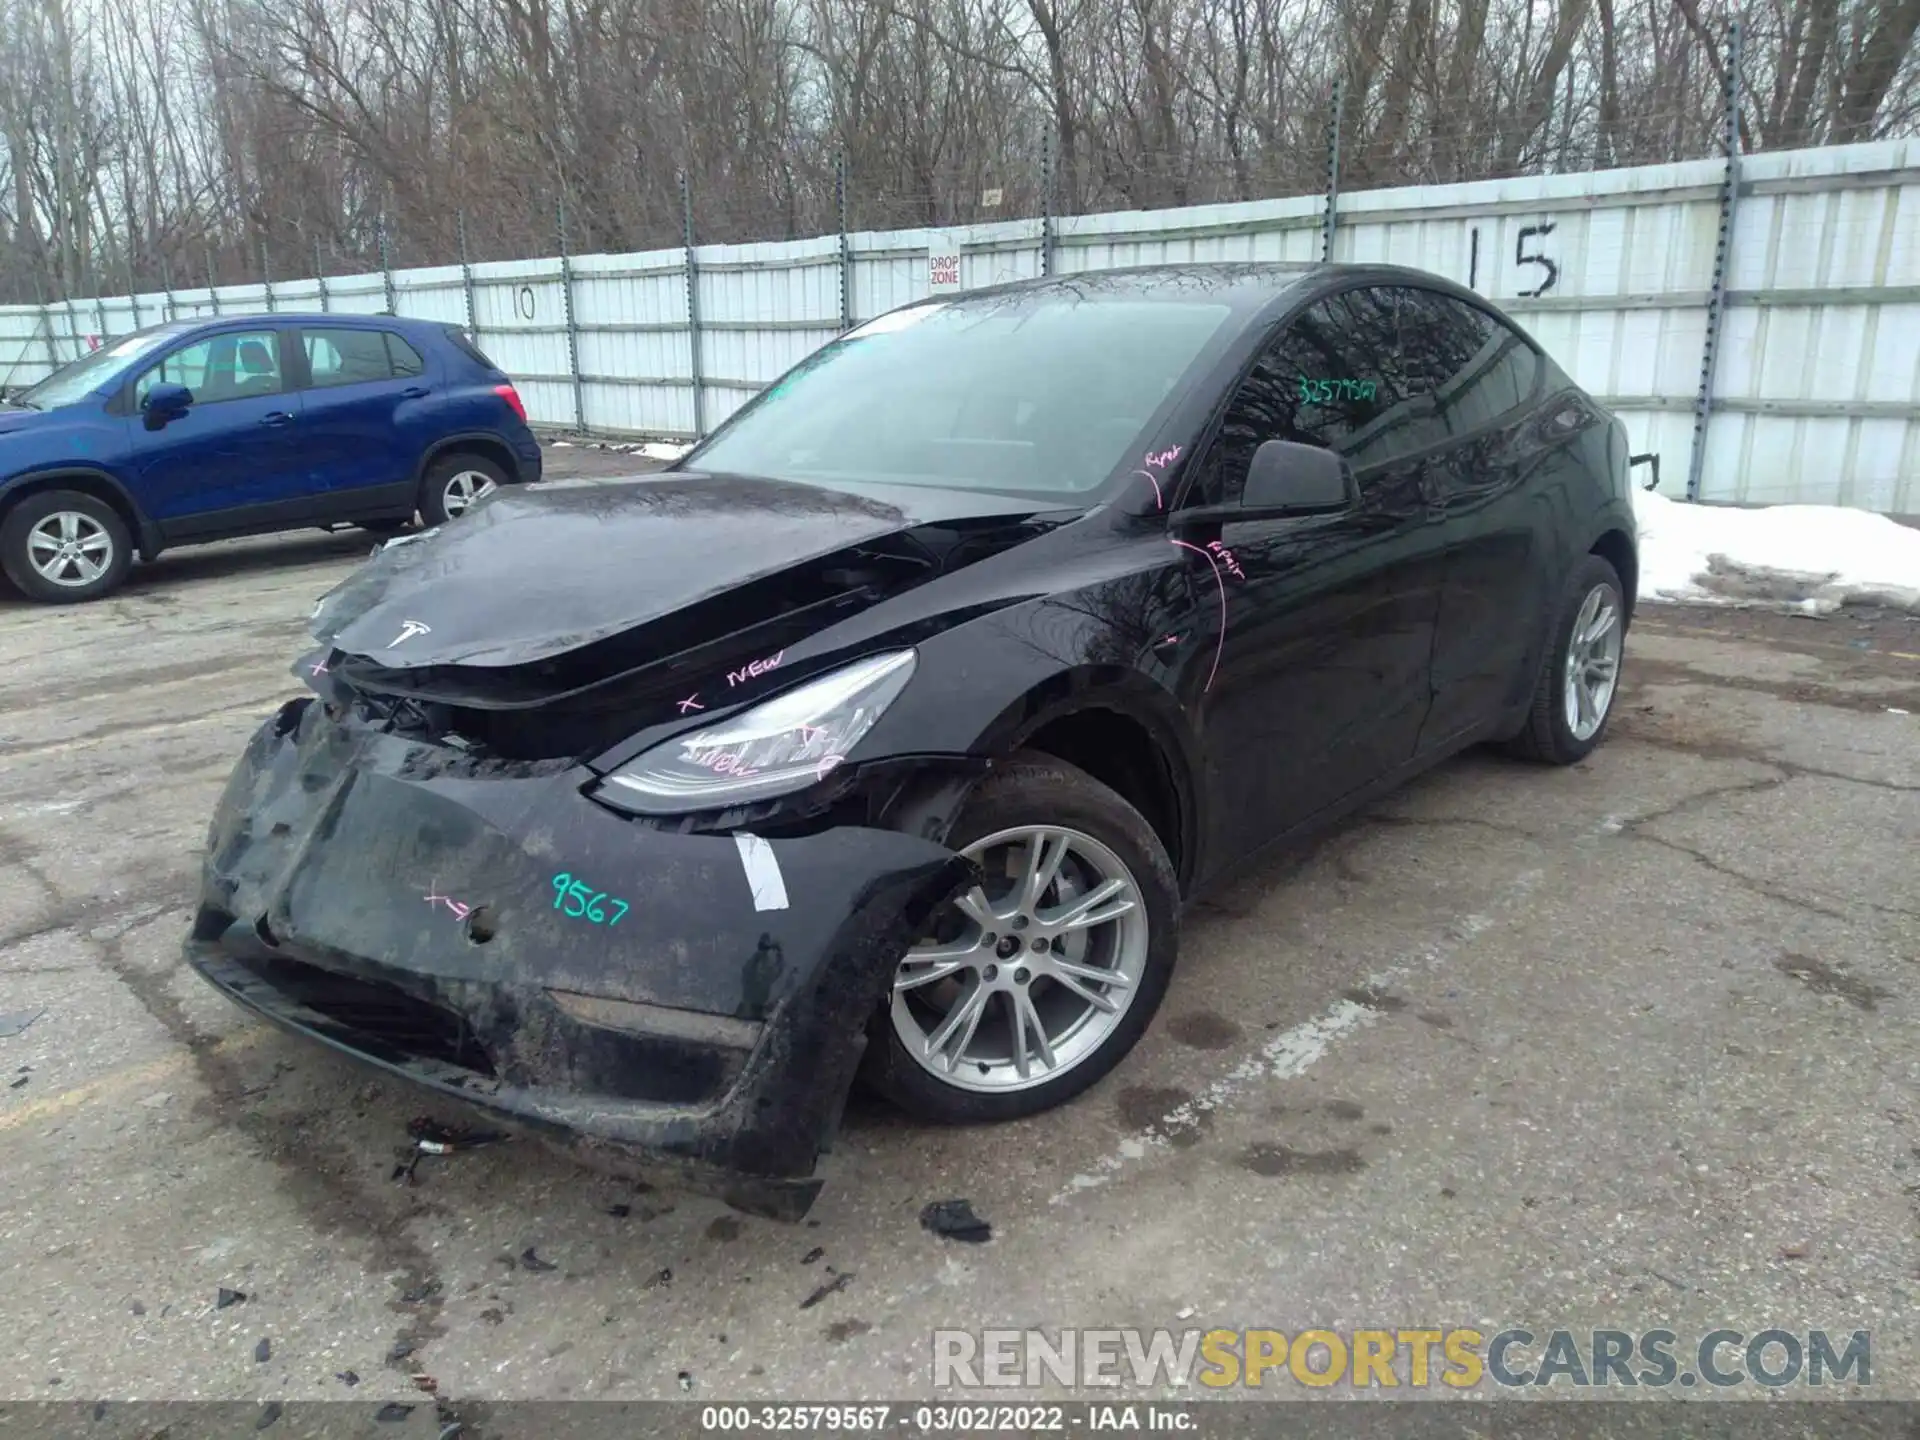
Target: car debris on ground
[(837, 1283), (955, 1220)]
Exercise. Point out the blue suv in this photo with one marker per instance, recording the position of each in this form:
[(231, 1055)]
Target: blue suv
[(207, 429)]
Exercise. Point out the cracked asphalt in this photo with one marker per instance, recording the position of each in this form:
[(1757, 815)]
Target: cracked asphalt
[(1629, 1045)]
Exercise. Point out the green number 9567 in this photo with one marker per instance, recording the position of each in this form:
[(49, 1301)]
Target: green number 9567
[(581, 901)]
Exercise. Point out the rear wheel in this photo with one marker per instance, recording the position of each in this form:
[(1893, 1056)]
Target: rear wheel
[(454, 483), (62, 546), (1037, 983), (1573, 698)]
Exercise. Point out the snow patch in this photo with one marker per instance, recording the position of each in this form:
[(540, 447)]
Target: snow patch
[(1814, 558), (662, 450), (646, 449)]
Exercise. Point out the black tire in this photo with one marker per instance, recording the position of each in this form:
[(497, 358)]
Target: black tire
[(440, 474), (391, 526), (1034, 789), (18, 527), (1548, 736)]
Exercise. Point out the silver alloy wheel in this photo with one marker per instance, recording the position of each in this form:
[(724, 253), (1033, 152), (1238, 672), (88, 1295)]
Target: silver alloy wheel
[(70, 549), (463, 488), (1027, 976), (1593, 661)]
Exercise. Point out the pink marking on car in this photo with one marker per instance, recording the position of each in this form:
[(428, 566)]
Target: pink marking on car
[(1219, 644)]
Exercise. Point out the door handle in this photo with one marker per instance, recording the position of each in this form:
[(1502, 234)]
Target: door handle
[(414, 392), (275, 417)]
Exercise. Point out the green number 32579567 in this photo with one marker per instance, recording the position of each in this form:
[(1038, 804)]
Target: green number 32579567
[(1325, 391), (583, 902)]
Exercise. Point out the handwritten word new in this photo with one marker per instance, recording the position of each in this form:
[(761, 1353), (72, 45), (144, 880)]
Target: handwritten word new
[(1325, 390), (1225, 557), (755, 670), (460, 912), (569, 892), (721, 762)]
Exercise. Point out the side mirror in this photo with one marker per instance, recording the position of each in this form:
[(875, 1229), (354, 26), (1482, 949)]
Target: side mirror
[(1286, 478), (165, 402)]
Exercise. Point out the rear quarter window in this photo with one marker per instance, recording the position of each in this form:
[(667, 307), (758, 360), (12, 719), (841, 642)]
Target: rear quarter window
[(461, 342)]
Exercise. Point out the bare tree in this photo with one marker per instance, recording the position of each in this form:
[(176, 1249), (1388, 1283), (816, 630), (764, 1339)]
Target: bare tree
[(151, 140)]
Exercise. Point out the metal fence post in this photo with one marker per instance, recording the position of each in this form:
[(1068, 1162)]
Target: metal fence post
[(566, 314), (266, 274), (212, 294), (386, 261), (1046, 201), (1327, 221), (100, 316), (133, 300), (846, 247), (320, 278), (466, 267), (46, 324), (693, 311), (73, 329), (1722, 253), (170, 308)]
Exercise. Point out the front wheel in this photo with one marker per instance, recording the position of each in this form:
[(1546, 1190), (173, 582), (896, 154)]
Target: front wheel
[(63, 546), (1034, 985), (1573, 698)]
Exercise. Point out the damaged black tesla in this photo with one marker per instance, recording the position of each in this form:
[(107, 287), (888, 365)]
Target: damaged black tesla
[(887, 732)]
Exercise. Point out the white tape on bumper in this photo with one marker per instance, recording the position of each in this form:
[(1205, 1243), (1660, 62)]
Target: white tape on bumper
[(763, 872)]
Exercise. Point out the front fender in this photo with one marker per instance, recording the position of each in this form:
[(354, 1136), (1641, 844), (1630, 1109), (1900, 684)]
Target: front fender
[(49, 477)]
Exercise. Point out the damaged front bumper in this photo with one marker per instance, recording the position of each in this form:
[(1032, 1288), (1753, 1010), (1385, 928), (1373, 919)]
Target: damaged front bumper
[(679, 1006)]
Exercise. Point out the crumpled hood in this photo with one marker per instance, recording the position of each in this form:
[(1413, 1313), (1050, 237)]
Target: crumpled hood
[(534, 572)]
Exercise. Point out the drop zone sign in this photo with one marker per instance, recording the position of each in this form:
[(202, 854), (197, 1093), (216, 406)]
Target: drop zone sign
[(943, 263)]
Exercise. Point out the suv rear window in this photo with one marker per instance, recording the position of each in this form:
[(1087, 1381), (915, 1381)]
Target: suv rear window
[(464, 344)]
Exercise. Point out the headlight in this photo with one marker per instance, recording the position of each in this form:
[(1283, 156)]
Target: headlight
[(792, 741)]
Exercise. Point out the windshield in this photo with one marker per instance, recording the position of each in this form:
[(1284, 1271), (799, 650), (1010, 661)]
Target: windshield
[(1034, 392), (90, 372)]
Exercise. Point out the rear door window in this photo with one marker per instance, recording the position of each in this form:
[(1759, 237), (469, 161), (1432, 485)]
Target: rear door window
[(1467, 366), (345, 357), (406, 360)]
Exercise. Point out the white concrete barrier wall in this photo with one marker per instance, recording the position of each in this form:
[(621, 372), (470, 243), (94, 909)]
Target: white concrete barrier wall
[(1817, 386)]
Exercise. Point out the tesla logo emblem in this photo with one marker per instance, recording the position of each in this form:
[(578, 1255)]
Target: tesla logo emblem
[(408, 630)]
